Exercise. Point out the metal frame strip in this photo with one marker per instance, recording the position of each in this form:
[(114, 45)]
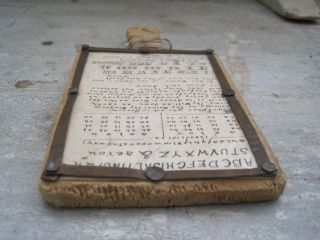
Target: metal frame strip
[(55, 168)]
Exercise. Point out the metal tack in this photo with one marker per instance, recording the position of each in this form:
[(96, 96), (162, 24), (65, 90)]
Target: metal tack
[(269, 167), (73, 91), (144, 50), (209, 51), (85, 47), (228, 92), (155, 173), (52, 167)]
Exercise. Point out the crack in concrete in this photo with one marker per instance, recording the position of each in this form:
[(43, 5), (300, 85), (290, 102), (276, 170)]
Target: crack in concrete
[(19, 16)]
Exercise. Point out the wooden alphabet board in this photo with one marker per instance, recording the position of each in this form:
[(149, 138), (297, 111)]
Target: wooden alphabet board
[(155, 128)]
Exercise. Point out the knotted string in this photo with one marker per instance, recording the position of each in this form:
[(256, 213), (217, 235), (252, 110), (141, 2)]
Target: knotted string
[(145, 37), (152, 43)]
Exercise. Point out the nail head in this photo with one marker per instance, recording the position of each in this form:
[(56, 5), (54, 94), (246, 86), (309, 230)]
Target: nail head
[(73, 91), (155, 173), (228, 92), (269, 167), (52, 167)]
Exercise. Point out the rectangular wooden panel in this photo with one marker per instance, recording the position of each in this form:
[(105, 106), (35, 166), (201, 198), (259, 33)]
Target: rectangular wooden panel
[(146, 116)]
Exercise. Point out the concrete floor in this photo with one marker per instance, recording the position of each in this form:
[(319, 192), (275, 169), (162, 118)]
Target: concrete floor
[(275, 62)]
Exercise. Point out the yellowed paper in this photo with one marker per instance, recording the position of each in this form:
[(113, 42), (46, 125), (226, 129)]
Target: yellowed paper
[(142, 110)]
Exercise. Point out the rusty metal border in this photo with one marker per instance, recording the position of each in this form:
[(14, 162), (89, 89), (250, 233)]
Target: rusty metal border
[(54, 167)]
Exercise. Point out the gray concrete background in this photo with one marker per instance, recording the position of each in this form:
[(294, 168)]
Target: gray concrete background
[(275, 62)]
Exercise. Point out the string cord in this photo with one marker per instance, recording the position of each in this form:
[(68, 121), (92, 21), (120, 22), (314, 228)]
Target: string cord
[(143, 42)]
